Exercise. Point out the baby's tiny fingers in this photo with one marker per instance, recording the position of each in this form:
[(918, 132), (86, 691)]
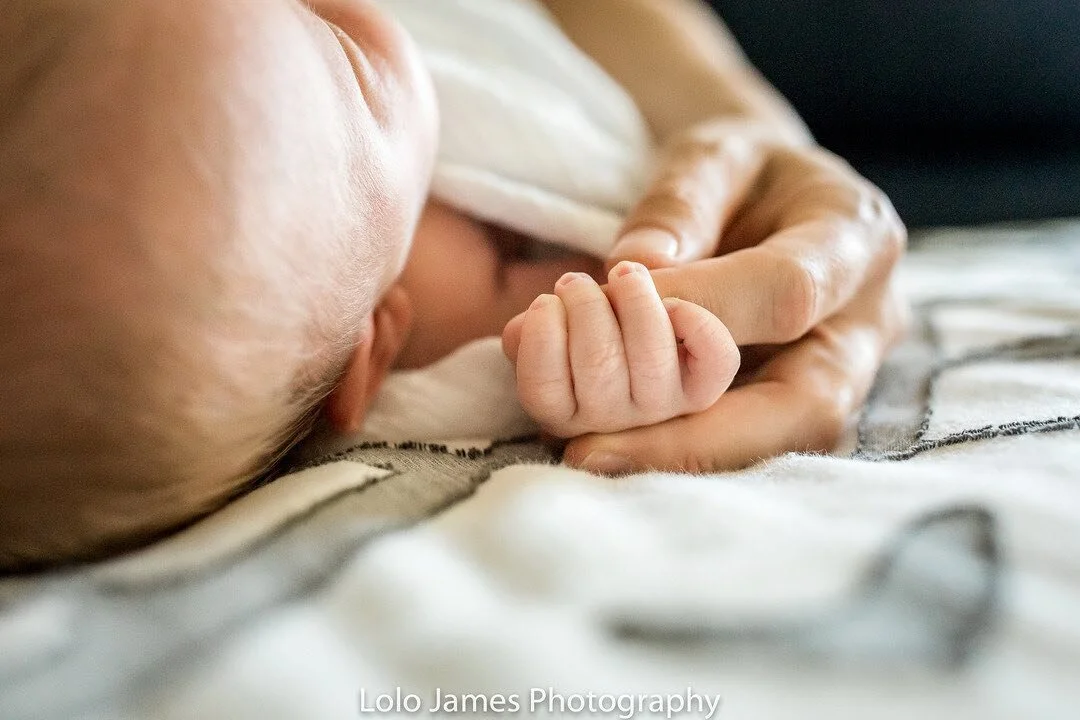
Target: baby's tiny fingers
[(710, 355), (597, 360), (545, 385), (652, 355)]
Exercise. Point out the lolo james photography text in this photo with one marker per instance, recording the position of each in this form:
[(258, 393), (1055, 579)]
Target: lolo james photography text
[(543, 700)]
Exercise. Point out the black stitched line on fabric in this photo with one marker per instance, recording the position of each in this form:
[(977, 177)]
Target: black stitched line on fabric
[(1064, 345), (987, 432), (434, 448)]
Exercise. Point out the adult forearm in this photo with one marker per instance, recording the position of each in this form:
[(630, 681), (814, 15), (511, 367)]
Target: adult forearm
[(680, 64)]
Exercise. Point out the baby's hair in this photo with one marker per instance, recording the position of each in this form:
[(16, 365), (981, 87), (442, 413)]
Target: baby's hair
[(138, 389)]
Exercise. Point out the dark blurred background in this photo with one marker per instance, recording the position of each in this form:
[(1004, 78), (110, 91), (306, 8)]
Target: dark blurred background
[(963, 111)]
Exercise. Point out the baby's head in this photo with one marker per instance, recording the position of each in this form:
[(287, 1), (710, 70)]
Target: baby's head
[(204, 205)]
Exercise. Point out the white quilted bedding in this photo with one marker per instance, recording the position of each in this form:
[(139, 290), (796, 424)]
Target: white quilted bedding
[(932, 569)]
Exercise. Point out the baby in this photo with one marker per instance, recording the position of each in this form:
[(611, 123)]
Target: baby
[(214, 227)]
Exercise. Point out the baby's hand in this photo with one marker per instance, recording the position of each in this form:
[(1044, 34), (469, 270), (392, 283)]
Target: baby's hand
[(590, 362)]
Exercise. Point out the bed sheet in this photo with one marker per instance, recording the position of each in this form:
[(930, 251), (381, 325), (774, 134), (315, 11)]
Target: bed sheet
[(930, 568)]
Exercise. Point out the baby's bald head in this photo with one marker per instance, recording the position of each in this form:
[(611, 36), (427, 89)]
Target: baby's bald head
[(195, 220)]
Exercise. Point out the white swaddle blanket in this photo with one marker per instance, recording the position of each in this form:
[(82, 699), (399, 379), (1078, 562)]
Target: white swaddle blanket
[(535, 137)]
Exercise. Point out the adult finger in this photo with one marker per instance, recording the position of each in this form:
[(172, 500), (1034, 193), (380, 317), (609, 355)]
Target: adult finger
[(776, 291), (801, 400), (700, 184), (771, 294)]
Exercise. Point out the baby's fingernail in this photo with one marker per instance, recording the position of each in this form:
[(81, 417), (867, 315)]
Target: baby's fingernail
[(606, 463), (626, 267), (572, 277), (646, 242), (542, 301)]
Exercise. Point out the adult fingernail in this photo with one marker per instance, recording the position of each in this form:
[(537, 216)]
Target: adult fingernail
[(646, 242), (606, 463)]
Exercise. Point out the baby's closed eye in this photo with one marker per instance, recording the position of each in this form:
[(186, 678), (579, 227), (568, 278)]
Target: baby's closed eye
[(514, 247), (524, 267)]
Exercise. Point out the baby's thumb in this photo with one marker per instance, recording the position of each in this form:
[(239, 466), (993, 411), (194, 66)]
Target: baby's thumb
[(708, 355)]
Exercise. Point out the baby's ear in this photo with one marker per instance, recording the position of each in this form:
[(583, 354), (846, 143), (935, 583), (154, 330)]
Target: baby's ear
[(384, 334)]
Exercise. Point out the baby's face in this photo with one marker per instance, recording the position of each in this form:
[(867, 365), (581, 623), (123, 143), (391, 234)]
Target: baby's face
[(466, 279)]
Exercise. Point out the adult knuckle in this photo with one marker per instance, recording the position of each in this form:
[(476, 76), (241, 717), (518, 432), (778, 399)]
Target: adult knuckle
[(896, 240), (811, 167), (879, 214), (704, 142), (796, 300), (695, 145)]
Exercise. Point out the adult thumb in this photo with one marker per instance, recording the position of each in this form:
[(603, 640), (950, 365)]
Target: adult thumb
[(680, 218)]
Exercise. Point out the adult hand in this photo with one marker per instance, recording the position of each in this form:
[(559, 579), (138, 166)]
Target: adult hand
[(795, 253)]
